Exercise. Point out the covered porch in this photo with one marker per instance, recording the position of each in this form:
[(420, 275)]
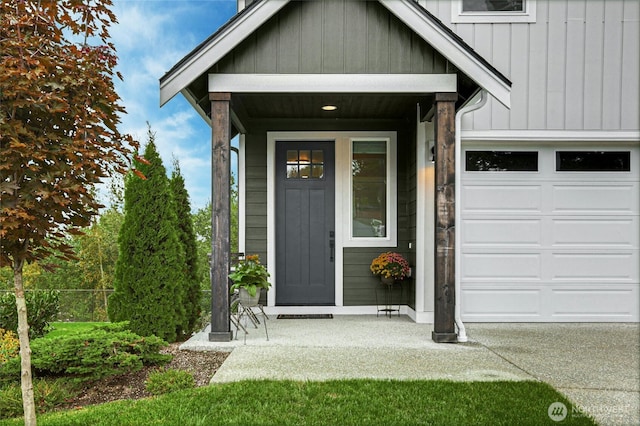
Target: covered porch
[(255, 79)]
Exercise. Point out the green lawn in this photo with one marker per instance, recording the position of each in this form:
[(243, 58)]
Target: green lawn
[(350, 402), (62, 328)]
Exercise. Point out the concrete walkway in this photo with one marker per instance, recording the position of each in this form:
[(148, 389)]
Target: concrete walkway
[(595, 365)]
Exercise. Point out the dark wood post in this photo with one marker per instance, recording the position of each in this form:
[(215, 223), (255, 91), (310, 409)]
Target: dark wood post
[(445, 178), (220, 211)]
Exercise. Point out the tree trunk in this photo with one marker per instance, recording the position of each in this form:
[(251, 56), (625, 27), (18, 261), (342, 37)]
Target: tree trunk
[(28, 403)]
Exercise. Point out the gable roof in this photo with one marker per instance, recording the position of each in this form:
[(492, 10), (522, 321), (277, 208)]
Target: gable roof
[(421, 21)]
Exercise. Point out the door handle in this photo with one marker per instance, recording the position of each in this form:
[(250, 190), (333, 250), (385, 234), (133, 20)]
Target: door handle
[(332, 245)]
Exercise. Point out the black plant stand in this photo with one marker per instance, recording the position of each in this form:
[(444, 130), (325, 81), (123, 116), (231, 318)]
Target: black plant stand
[(385, 299)]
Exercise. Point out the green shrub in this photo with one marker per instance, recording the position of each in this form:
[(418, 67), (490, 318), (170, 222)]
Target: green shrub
[(113, 326), (48, 394), (160, 382), (90, 355), (42, 309)]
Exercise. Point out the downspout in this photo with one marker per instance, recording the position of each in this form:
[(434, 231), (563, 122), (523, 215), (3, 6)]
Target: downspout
[(462, 333)]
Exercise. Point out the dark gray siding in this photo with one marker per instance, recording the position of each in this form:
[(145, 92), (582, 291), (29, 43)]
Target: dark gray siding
[(333, 36), (256, 195), (409, 165)]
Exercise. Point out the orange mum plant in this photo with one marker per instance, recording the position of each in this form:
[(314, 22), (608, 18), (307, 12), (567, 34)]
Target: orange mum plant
[(390, 265)]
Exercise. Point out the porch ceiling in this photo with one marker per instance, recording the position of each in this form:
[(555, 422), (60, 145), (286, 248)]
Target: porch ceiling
[(249, 108), (309, 106)]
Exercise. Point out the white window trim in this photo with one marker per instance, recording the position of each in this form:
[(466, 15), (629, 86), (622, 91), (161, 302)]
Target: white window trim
[(391, 239), (460, 17)]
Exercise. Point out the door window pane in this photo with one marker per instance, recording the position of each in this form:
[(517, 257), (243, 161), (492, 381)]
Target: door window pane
[(292, 156), (305, 164), (369, 189), (304, 156), (292, 171), (593, 161)]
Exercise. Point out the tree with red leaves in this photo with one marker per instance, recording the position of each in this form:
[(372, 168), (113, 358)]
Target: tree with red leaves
[(59, 113)]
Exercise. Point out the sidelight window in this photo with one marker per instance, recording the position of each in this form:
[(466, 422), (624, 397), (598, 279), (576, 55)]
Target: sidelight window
[(371, 195), (369, 188)]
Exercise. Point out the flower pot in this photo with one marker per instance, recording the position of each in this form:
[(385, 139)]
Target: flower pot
[(387, 281), (246, 299)]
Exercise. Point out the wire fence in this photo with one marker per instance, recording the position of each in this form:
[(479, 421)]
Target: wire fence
[(78, 305)]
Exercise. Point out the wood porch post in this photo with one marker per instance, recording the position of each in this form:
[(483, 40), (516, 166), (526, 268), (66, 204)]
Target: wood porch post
[(445, 178), (220, 211)]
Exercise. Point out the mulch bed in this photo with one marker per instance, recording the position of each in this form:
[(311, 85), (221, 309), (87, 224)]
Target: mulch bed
[(202, 365)]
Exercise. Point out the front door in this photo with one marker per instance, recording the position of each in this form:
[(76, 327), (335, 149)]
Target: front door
[(305, 236)]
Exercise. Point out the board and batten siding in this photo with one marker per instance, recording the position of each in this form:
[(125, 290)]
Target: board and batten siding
[(333, 37), (575, 68)]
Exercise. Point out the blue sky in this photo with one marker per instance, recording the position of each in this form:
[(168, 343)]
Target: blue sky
[(150, 37)]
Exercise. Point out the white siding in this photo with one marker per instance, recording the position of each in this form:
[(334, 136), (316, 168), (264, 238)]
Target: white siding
[(576, 68)]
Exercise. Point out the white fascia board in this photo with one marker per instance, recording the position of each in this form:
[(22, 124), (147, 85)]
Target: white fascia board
[(444, 44), (217, 48), (332, 83), (551, 135), (194, 103)]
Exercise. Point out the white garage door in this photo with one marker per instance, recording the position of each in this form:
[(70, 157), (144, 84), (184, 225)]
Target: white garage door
[(550, 233)]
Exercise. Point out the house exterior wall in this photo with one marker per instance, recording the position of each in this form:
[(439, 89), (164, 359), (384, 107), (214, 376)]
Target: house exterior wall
[(575, 87), (575, 68), (333, 36), (358, 282)]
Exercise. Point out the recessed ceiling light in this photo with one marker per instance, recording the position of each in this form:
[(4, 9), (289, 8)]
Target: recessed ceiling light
[(329, 107)]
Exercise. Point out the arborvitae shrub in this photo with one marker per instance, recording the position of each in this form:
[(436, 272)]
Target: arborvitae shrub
[(150, 276), (187, 236)]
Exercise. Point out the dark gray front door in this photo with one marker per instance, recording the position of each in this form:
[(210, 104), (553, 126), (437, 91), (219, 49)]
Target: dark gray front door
[(305, 238)]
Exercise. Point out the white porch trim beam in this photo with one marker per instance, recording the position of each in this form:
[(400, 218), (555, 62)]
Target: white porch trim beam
[(332, 83)]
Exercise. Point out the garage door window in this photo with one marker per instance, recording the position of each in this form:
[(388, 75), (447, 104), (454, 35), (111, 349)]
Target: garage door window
[(501, 161), (593, 161)]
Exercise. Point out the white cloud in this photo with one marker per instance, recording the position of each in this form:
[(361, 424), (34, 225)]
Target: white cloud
[(150, 38)]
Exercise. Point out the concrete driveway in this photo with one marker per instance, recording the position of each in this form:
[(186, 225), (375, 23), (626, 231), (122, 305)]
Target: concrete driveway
[(595, 365)]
